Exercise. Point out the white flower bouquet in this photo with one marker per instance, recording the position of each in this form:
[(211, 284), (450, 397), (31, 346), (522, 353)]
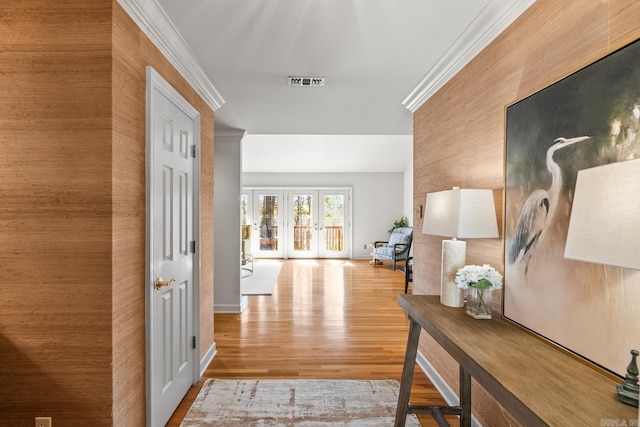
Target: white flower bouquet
[(479, 277)]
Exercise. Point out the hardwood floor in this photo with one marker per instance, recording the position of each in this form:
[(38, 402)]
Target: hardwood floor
[(327, 319)]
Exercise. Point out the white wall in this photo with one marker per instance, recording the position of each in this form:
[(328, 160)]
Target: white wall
[(408, 192), (378, 199), (227, 297), (408, 197)]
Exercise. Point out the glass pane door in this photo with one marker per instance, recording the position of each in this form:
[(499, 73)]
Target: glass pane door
[(246, 215), (303, 224), (267, 224), (295, 223), (333, 224)]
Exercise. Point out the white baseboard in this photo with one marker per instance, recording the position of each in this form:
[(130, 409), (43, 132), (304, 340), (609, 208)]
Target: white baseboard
[(232, 308), (441, 385), (227, 308), (208, 357)]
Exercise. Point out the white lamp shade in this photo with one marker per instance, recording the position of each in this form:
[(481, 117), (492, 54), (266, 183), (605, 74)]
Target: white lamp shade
[(605, 217), (461, 213)]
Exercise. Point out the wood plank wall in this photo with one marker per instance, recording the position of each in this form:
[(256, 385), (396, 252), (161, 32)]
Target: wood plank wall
[(55, 212), (459, 132), (72, 177), (132, 52)]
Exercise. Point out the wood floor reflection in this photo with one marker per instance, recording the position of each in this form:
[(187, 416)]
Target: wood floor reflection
[(327, 319)]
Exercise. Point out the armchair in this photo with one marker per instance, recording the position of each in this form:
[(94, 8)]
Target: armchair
[(396, 249), (408, 273)]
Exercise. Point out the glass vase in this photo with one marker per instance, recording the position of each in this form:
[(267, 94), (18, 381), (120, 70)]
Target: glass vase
[(478, 303)]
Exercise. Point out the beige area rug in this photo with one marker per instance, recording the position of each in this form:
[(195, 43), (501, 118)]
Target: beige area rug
[(306, 403), (264, 279)]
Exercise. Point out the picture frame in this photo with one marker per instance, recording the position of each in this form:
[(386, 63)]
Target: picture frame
[(587, 119)]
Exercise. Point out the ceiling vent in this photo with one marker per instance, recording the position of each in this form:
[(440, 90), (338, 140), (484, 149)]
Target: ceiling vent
[(306, 81)]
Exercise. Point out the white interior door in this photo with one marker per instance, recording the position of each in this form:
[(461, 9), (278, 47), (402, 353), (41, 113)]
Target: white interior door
[(173, 133)]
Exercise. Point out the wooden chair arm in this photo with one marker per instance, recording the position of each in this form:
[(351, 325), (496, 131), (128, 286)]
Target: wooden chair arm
[(399, 244)]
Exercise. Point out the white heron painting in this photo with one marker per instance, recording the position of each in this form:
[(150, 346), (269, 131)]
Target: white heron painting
[(587, 119)]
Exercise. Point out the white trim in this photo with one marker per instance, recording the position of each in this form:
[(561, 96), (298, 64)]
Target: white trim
[(208, 357), (441, 385), (154, 22), (232, 308), (492, 20), (197, 179), (229, 135)]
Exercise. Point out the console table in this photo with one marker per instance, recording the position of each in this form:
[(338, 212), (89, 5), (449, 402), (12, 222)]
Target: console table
[(536, 383)]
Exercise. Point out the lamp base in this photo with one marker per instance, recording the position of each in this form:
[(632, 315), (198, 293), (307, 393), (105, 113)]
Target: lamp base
[(628, 390), (454, 253)]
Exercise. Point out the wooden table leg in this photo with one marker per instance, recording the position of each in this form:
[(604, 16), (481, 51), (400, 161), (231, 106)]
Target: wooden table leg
[(407, 373), (465, 398)]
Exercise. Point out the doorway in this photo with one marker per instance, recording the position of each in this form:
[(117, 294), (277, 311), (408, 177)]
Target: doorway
[(317, 223), (267, 224), (297, 222)]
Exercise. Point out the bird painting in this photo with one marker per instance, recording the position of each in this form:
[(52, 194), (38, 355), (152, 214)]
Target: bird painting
[(538, 210)]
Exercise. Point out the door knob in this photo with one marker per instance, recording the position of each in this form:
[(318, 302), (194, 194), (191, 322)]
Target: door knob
[(159, 283)]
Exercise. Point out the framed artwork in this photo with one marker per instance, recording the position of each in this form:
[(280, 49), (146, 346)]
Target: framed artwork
[(590, 118)]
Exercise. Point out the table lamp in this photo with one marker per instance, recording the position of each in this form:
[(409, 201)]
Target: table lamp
[(604, 228), (459, 214)]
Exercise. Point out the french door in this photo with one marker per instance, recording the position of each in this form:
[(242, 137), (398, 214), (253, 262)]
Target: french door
[(267, 223), (317, 224), (296, 223)]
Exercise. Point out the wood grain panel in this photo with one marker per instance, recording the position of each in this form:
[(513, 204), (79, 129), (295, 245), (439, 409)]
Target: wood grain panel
[(623, 19), (551, 43), (72, 218), (548, 42), (129, 218), (55, 227)]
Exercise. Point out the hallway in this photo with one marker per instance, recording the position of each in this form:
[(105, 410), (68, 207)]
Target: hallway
[(328, 319)]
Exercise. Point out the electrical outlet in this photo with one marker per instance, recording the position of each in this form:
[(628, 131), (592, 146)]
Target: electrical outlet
[(43, 421), (365, 246)]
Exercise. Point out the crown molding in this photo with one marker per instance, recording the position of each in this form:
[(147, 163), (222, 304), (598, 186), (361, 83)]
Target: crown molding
[(229, 135), (155, 23), (496, 16)]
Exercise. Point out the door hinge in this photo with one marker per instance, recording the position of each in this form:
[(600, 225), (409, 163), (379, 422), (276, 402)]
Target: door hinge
[(194, 342), (193, 246), (193, 151)]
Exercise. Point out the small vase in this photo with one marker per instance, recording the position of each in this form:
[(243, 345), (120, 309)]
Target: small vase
[(478, 304)]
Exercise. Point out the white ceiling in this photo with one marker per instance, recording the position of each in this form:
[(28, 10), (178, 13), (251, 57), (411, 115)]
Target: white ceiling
[(319, 154), (375, 56)]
